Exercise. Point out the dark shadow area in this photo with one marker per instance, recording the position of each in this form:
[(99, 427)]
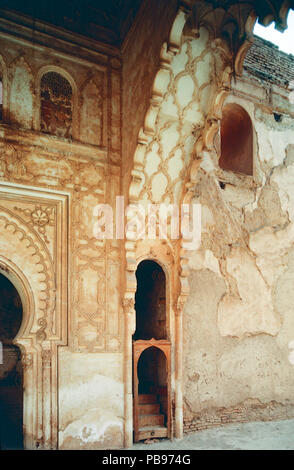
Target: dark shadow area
[(150, 302), (152, 377), (11, 373)]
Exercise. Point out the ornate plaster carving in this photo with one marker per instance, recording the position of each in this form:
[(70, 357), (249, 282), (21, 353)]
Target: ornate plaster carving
[(37, 266)]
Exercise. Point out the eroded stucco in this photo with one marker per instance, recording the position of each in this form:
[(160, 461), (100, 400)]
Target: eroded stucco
[(232, 355)]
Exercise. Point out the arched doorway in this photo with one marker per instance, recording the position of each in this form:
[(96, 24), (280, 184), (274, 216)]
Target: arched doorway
[(150, 301), (151, 355), (11, 373)]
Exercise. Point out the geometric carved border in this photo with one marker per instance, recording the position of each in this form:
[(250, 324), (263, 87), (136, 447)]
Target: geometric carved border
[(34, 256)]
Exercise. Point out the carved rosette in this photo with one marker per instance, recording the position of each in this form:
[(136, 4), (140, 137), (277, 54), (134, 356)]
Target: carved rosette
[(39, 217)]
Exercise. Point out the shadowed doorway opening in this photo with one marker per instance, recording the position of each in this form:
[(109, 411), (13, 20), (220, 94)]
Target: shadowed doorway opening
[(151, 355), (11, 372), (150, 301)]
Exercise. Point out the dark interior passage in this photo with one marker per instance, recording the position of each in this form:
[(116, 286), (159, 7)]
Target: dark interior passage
[(11, 375), (151, 370), (150, 302), (152, 377)]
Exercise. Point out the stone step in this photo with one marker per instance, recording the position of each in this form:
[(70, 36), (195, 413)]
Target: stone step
[(150, 432), (151, 420), (147, 398), (149, 408)]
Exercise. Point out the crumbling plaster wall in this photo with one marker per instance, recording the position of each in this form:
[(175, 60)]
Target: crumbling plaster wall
[(235, 341), (86, 168), (239, 317)]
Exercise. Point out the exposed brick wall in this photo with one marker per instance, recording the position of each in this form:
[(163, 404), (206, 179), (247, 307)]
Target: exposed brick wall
[(241, 413), (264, 60)]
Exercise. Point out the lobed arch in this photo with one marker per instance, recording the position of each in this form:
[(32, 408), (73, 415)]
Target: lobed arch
[(25, 260), (245, 20), (28, 354), (17, 277), (11, 375)]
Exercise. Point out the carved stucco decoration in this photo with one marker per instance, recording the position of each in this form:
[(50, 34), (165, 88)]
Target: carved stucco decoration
[(230, 30), (170, 114), (38, 269), (11, 162), (238, 13), (95, 310), (17, 234), (233, 21), (28, 157), (40, 217), (96, 324)]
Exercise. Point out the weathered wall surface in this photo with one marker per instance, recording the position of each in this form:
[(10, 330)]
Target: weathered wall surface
[(235, 340), (94, 382), (239, 318), (85, 169)]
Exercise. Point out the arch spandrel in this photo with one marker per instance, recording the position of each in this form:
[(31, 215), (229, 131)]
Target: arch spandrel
[(24, 249)]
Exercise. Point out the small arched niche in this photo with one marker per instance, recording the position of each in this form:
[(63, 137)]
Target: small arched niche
[(56, 105), (236, 140), (152, 372), (11, 372), (151, 390), (150, 302)]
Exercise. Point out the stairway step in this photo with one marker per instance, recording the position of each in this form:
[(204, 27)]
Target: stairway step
[(149, 408), (151, 432), (147, 398), (158, 390), (151, 420)]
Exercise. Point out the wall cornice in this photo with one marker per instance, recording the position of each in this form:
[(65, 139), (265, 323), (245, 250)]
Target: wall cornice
[(47, 144)]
